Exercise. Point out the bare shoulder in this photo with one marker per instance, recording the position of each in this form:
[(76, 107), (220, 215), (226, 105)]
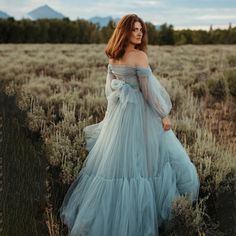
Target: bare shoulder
[(141, 58), (137, 58)]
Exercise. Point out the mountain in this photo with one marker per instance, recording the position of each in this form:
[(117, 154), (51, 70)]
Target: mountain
[(4, 15), (102, 21), (44, 12)]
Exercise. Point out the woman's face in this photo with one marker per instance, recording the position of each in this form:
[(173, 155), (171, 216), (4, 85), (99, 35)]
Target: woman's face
[(137, 33)]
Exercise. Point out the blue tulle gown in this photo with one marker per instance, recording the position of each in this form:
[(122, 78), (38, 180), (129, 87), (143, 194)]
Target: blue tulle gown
[(134, 168)]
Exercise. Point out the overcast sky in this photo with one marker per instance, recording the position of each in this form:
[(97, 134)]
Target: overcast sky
[(192, 14)]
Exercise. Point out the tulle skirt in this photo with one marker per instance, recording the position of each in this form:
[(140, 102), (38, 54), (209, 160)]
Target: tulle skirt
[(133, 172)]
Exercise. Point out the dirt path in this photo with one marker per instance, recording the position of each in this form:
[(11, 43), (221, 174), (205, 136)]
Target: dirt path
[(23, 174)]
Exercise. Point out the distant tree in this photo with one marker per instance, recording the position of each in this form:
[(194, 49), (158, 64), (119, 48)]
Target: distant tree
[(200, 37), (152, 33), (107, 31), (211, 29), (13, 30), (43, 26), (11, 19), (54, 31), (83, 31), (3, 31), (183, 37), (166, 35), (180, 38), (218, 36), (230, 27), (230, 34), (66, 19), (30, 31), (210, 35)]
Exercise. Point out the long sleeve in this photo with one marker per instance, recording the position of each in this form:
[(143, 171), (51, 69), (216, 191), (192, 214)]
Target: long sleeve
[(109, 78), (153, 92)]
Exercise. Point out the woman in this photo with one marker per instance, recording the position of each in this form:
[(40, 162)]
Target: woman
[(136, 166)]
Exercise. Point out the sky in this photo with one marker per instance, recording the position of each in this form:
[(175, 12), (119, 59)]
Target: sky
[(192, 14)]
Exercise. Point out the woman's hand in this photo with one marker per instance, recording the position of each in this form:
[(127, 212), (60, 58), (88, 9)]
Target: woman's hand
[(166, 123)]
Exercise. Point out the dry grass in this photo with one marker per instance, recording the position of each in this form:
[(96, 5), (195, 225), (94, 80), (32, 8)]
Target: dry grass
[(61, 87)]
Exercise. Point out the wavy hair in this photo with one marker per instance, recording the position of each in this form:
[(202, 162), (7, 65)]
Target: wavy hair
[(120, 37)]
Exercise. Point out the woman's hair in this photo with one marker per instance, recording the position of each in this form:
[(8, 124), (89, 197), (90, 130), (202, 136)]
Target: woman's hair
[(120, 38)]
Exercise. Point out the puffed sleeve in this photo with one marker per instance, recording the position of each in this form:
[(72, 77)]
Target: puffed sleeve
[(153, 92), (109, 78)]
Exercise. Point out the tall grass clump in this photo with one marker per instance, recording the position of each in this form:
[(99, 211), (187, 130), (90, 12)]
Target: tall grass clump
[(217, 88), (231, 78)]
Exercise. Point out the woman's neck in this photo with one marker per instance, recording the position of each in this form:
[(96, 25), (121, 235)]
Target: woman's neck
[(130, 47)]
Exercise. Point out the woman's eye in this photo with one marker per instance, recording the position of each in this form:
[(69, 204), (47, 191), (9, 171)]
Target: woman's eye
[(137, 30)]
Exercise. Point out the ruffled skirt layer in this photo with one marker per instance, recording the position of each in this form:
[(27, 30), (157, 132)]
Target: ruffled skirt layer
[(132, 174)]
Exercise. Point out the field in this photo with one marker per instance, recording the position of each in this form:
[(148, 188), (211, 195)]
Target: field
[(49, 92)]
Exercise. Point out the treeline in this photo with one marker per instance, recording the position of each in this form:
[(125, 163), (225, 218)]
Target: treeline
[(82, 31)]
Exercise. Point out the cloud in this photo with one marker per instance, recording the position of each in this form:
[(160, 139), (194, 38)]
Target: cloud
[(182, 13), (203, 27), (146, 4), (216, 17), (20, 8)]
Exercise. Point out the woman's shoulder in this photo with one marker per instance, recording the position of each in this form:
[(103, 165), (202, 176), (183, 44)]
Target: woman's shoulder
[(137, 57), (141, 55), (137, 53), (141, 59)]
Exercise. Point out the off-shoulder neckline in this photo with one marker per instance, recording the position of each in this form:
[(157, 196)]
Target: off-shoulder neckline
[(129, 66)]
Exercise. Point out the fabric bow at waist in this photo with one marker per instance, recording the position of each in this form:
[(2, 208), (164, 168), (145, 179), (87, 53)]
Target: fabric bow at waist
[(122, 92), (117, 84)]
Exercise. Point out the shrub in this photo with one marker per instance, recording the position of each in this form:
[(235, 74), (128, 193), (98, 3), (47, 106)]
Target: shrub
[(199, 90), (217, 88), (231, 60), (231, 79), (190, 220), (185, 132)]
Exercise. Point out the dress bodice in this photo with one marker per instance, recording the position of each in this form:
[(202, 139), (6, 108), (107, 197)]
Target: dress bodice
[(128, 73), (140, 79)]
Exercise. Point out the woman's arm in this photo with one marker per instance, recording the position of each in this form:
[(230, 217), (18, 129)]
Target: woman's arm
[(153, 92)]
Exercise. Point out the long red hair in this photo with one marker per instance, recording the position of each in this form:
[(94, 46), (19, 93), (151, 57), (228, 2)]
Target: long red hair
[(120, 38)]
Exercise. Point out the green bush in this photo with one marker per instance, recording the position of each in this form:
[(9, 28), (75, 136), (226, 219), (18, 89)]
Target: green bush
[(199, 90), (185, 132), (231, 60), (217, 88), (190, 219), (231, 79)]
